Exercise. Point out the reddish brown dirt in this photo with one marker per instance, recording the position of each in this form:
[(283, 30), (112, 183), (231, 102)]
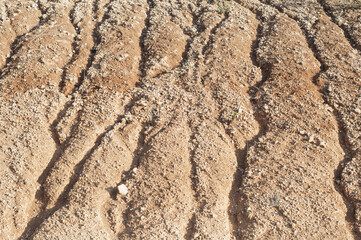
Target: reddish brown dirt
[(221, 119)]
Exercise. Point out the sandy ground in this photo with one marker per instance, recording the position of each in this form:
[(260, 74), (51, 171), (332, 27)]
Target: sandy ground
[(174, 119)]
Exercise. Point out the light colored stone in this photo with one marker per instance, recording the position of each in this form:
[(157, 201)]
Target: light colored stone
[(122, 189)]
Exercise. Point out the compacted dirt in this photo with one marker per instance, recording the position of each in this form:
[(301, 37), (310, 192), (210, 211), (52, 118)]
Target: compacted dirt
[(175, 119)]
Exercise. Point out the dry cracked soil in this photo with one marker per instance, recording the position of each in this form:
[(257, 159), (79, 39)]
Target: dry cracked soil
[(175, 119)]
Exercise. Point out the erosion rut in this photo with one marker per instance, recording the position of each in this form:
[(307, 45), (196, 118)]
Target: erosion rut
[(221, 119)]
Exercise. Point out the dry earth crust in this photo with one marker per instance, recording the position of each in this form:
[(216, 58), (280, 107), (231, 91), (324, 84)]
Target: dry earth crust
[(149, 119)]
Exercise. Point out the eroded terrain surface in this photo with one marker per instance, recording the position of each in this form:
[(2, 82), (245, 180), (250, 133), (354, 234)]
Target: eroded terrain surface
[(149, 119)]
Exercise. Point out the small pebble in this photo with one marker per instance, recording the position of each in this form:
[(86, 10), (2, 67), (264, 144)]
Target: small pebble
[(122, 189)]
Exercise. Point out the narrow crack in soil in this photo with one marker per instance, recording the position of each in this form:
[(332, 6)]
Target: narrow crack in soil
[(239, 153), (322, 4), (193, 176), (96, 7), (60, 146), (190, 227), (37, 221), (327, 9), (18, 43), (213, 31), (143, 36), (252, 92), (75, 46), (7, 58), (8, 14), (349, 154), (44, 213), (140, 152), (96, 41), (186, 56), (242, 154)]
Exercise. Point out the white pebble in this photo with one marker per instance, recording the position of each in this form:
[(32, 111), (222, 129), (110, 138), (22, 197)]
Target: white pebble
[(122, 189)]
